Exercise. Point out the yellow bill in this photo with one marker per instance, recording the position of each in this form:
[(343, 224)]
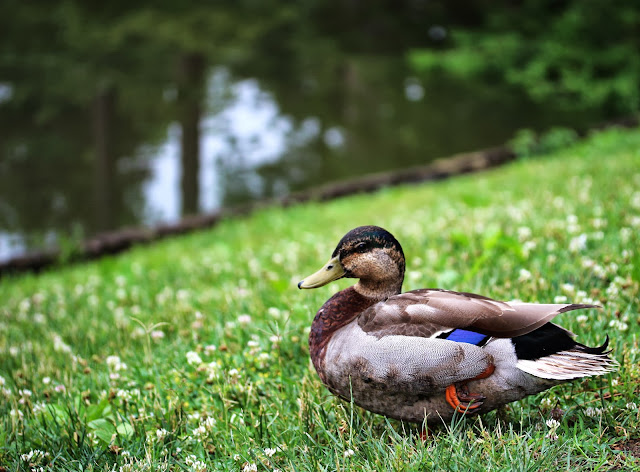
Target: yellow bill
[(331, 271)]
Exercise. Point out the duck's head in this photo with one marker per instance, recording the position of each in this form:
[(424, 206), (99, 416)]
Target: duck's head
[(368, 253)]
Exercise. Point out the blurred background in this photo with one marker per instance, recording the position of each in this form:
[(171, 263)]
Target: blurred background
[(122, 113)]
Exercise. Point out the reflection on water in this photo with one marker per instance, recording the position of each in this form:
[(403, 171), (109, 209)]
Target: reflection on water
[(258, 137), (248, 133)]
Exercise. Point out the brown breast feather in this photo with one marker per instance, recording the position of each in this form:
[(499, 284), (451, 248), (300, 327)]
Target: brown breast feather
[(336, 312)]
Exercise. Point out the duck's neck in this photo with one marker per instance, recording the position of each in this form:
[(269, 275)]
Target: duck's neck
[(338, 311), (378, 290)]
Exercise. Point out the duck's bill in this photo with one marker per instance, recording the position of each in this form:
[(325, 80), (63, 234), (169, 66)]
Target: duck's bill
[(331, 271)]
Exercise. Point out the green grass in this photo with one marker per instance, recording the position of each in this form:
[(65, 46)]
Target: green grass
[(192, 353)]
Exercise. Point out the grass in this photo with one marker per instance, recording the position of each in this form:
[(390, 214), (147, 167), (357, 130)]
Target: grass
[(191, 354)]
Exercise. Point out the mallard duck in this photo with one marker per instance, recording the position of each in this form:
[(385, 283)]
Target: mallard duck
[(425, 354)]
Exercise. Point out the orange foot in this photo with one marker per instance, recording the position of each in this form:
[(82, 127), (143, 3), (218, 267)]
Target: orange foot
[(459, 397)]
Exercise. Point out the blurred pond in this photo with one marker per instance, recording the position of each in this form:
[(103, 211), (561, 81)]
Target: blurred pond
[(143, 154)]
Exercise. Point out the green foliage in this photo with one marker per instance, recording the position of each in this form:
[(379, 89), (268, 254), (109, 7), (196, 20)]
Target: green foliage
[(527, 143), (191, 354), (581, 53)]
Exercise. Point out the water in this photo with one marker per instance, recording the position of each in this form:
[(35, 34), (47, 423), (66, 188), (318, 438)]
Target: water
[(69, 171)]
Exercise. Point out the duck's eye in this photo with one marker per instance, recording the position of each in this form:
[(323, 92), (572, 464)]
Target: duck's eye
[(361, 246)]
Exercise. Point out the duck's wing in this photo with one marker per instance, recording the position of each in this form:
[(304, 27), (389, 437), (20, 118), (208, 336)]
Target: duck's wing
[(429, 312)]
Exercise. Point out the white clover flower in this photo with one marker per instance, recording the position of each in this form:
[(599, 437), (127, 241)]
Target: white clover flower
[(138, 332), (16, 414), (274, 312), (349, 453), (193, 358), (553, 427), (161, 434), (157, 334), (524, 233), (59, 345), (209, 423), (115, 364), (546, 402), (244, 319), (588, 263), (212, 371), (269, 452), (551, 423), (195, 464), (199, 432), (619, 325), (612, 291), (524, 275), (233, 373), (578, 243), (24, 305), (568, 288), (210, 349), (582, 318), (248, 467), (591, 412), (599, 271), (34, 456), (631, 406), (527, 247), (560, 299)]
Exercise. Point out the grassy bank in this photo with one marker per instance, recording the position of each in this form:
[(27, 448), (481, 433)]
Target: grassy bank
[(191, 354)]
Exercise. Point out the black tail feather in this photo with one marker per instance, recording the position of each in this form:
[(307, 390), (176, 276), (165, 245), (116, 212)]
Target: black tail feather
[(549, 339)]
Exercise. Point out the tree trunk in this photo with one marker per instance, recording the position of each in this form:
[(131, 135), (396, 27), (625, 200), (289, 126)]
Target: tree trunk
[(104, 175), (191, 96)]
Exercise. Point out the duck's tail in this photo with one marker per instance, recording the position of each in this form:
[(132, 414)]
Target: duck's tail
[(570, 360)]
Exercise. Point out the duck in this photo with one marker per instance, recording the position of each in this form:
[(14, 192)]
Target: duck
[(424, 355)]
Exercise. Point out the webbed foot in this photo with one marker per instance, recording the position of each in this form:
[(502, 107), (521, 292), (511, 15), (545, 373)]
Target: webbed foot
[(459, 397)]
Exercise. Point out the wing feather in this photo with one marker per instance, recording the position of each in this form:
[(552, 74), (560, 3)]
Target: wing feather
[(427, 312)]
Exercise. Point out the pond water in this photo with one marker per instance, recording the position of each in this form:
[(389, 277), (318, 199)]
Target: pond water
[(75, 167)]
